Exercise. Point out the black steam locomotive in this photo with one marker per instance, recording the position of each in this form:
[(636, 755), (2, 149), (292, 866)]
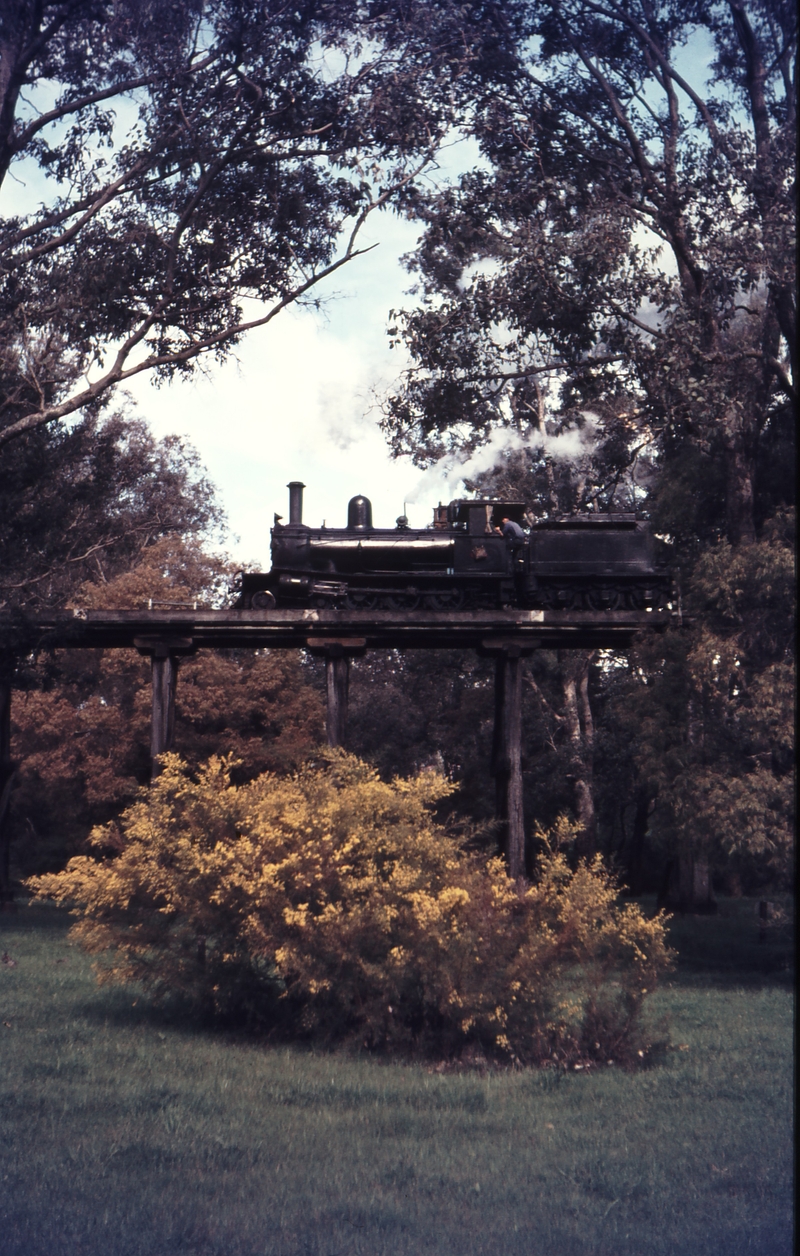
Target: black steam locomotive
[(475, 554)]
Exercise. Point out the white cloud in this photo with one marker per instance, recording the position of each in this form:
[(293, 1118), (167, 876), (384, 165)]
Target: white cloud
[(297, 405)]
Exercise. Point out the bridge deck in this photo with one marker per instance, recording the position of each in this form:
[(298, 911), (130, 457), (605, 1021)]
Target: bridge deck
[(299, 627)]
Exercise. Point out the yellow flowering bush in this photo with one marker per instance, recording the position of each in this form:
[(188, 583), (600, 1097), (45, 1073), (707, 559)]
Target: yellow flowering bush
[(332, 903)]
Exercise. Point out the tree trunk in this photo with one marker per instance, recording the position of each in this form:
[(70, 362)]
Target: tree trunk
[(687, 884), (6, 782), (641, 816), (692, 882), (740, 525), (579, 724), (695, 893)]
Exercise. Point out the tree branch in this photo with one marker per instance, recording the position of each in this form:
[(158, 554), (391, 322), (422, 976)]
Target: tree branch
[(118, 372), (643, 165), (106, 196), (668, 70), (93, 98)]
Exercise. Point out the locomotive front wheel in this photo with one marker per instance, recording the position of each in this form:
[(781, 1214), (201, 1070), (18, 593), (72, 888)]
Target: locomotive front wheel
[(263, 600)]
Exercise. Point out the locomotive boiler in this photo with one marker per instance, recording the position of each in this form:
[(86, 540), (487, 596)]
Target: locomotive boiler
[(476, 553)]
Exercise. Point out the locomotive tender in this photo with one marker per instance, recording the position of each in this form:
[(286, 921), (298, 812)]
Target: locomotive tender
[(597, 562)]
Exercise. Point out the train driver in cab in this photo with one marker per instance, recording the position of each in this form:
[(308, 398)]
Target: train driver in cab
[(511, 531)]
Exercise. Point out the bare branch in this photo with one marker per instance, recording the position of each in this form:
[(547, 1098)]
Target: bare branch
[(529, 680)]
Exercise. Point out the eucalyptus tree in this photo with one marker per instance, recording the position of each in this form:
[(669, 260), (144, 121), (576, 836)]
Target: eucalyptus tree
[(625, 246), (619, 267), (83, 502), (176, 174)]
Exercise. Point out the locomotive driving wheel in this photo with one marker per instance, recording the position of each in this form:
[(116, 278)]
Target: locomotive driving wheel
[(359, 601), (552, 598), (603, 599), (445, 600), (640, 597), (401, 601)]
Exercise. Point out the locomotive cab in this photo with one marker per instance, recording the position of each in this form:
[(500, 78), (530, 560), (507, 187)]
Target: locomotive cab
[(482, 517)]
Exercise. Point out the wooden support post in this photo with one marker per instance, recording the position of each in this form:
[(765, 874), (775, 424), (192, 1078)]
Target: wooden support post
[(507, 751), (498, 744), (337, 675), (162, 728), (515, 841), (337, 652), (6, 782), (507, 764), (164, 654)]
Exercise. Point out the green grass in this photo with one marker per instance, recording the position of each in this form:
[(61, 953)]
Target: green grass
[(125, 1131)]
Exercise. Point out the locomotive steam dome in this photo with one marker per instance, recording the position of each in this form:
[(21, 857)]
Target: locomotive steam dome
[(359, 514)]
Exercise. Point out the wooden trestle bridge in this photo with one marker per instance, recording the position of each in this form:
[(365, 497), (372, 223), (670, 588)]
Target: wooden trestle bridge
[(167, 635)]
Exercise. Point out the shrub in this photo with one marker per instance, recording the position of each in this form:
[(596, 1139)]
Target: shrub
[(334, 904)]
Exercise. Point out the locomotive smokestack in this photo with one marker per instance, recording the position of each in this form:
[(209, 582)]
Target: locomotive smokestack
[(295, 488)]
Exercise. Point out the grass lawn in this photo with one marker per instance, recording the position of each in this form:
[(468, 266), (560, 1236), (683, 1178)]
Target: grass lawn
[(123, 1131)]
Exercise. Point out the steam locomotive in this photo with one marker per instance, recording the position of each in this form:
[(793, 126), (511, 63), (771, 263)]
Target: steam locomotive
[(462, 560)]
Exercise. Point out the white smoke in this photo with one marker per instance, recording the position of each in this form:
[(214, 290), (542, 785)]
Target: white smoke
[(447, 476), (569, 446)]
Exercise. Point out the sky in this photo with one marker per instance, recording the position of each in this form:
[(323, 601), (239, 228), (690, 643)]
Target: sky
[(299, 402), (299, 398)]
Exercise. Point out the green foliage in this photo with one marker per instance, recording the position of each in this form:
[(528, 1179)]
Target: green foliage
[(614, 285), (624, 251), (713, 710), (335, 901), (712, 760), (84, 502), (746, 595)]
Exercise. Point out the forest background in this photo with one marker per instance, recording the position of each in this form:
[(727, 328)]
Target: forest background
[(606, 302)]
